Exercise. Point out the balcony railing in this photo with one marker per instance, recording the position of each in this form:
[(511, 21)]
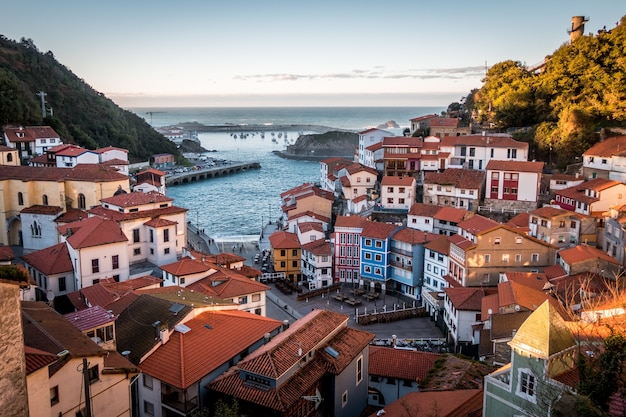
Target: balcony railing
[(402, 265), (172, 400)]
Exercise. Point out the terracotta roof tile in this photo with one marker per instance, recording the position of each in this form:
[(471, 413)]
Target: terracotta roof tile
[(226, 284), (582, 253), (440, 244), (350, 221), (214, 338), (51, 260), (477, 224), (398, 181), (400, 364), (466, 298), (608, 147), (93, 231), (85, 172), (37, 359), (454, 403), (90, 318), (284, 240), (452, 214), (521, 166), (318, 247), (30, 133), (414, 236), (44, 210), (425, 210), (460, 178), (137, 198), (378, 230)]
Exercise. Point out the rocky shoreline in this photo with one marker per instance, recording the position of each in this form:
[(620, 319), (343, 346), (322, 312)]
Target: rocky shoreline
[(316, 157), (228, 127)]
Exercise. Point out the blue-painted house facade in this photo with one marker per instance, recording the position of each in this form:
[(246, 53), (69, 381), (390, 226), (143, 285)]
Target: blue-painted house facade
[(375, 268), (406, 261)]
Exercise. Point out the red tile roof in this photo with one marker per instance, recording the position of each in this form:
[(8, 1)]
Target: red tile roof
[(350, 221), (30, 133), (84, 172), (378, 230), (187, 266), (110, 148), (440, 244), (425, 210), (37, 359), (521, 166), (608, 147), (414, 236), (460, 178), (535, 280), (400, 364), (6, 253), (51, 260), (213, 339), (311, 214), (477, 224), (355, 168), (137, 198), (284, 240), (43, 210), (514, 293), (426, 117), (400, 181), (71, 215), (466, 298), (452, 214), (160, 222), (226, 284), (93, 231), (318, 247), (494, 141), (456, 403), (582, 253), (444, 122)]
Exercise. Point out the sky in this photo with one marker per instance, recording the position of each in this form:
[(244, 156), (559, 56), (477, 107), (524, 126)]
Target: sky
[(230, 53)]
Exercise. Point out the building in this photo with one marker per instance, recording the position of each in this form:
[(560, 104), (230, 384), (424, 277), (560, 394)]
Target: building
[(588, 259), (421, 124), (368, 138), (492, 251), (592, 197), (475, 151), (63, 362), (150, 180), (347, 244), (542, 350), (30, 141), (318, 363), (614, 235), (306, 198), (375, 266), (397, 192), (81, 187), (461, 313), (393, 373), (561, 228), (504, 188), (356, 181), (561, 181), (52, 270), (317, 263), (406, 261), (606, 159), (460, 188), (163, 161), (155, 228), (39, 227), (447, 126), (436, 265), (287, 255), (329, 172), (174, 376), (420, 216), (9, 156), (402, 156)]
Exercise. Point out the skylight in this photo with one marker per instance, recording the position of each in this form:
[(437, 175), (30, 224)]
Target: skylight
[(332, 352), (176, 308), (182, 328)]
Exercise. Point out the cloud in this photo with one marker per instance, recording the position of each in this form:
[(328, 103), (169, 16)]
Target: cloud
[(378, 73)]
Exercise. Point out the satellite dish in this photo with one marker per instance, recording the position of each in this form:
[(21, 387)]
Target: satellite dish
[(126, 353), (490, 312), (50, 295)]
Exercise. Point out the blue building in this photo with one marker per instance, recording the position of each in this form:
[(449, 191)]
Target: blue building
[(406, 261), (375, 268)]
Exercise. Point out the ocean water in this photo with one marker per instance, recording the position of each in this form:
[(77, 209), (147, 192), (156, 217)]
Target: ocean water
[(234, 207)]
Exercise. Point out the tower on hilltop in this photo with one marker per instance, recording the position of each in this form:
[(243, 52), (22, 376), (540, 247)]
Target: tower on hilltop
[(578, 27)]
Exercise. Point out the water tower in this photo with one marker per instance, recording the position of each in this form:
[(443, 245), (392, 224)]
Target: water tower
[(578, 27)]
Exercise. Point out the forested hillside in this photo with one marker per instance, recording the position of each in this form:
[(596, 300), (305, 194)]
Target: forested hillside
[(580, 91), (80, 114)]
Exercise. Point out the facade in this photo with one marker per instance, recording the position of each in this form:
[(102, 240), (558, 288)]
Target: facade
[(317, 263), (494, 251), (447, 126), (561, 228), (9, 156), (306, 198), (475, 151), (454, 187), (543, 349), (80, 187), (301, 371), (150, 180), (420, 216), (347, 244), (30, 141), (373, 157), (615, 234), (38, 226), (406, 261), (397, 192), (436, 265), (588, 259), (52, 270), (163, 161), (592, 197), (287, 255), (606, 159), (368, 138), (174, 377), (357, 180), (375, 255), (504, 188), (156, 229), (329, 172), (462, 308), (402, 156), (421, 124), (561, 181), (64, 349), (71, 155)]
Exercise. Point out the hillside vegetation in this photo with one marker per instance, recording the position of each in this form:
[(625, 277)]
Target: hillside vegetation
[(80, 114), (564, 105)]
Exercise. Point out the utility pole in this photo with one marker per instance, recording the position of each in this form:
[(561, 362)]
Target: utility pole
[(87, 385), (42, 96)]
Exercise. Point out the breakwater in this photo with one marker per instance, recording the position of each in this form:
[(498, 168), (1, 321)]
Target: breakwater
[(211, 172), (232, 127)]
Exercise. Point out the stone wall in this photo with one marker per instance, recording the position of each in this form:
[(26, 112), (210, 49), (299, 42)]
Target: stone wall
[(510, 205)]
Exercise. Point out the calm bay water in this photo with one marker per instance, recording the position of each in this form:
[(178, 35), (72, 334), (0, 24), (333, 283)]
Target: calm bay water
[(234, 207)]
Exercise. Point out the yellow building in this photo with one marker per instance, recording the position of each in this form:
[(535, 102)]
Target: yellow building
[(81, 187), (286, 254)]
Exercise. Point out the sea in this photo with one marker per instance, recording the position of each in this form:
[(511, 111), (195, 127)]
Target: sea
[(234, 208)]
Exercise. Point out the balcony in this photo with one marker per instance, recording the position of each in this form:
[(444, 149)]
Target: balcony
[(402, 265), (173, 400)]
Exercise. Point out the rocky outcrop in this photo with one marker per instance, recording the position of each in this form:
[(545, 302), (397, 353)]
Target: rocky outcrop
[(319, 146)]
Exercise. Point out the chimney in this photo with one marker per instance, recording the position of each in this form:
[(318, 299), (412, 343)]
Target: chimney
[(394, 340), (285, 324)]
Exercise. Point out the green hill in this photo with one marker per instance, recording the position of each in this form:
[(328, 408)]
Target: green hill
[(80, 114)]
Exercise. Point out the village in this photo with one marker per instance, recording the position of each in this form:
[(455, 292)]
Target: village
[(115, 304)]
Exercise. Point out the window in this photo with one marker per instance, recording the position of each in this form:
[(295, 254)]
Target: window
[(135, 235), (377, 271), (54, 395), (137, 251), (505, 257), (44, 199), (166, 235), (487, 258), (344, 398), (148, 408), (379, 244), (82, 204), (62, 286), (283, 252), (294, 264), (283, 264), (496, 240), (166, 251), (518, 258), (95, 266), (243, 300), (390, 201), (359, 370), (527, 384), (20, 199), (390, 189), (378, 257), (294, 252), (93, 373), (115, 261), (9, 157), (535, 257), (518, 240)]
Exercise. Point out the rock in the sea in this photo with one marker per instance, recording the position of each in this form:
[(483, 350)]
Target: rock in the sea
[(389, 124)]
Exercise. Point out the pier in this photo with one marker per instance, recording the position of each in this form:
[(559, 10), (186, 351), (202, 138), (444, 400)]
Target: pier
[(210, 172)]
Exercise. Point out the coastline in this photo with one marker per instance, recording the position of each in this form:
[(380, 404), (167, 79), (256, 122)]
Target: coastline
[(317, 157), (231, 127)]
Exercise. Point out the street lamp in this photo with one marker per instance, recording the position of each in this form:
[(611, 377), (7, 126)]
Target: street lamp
[(270, 212)]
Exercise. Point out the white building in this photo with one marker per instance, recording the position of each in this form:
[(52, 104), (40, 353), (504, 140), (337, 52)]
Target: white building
[(368, 138), (397, 192), (475, 151), (317, 263)]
